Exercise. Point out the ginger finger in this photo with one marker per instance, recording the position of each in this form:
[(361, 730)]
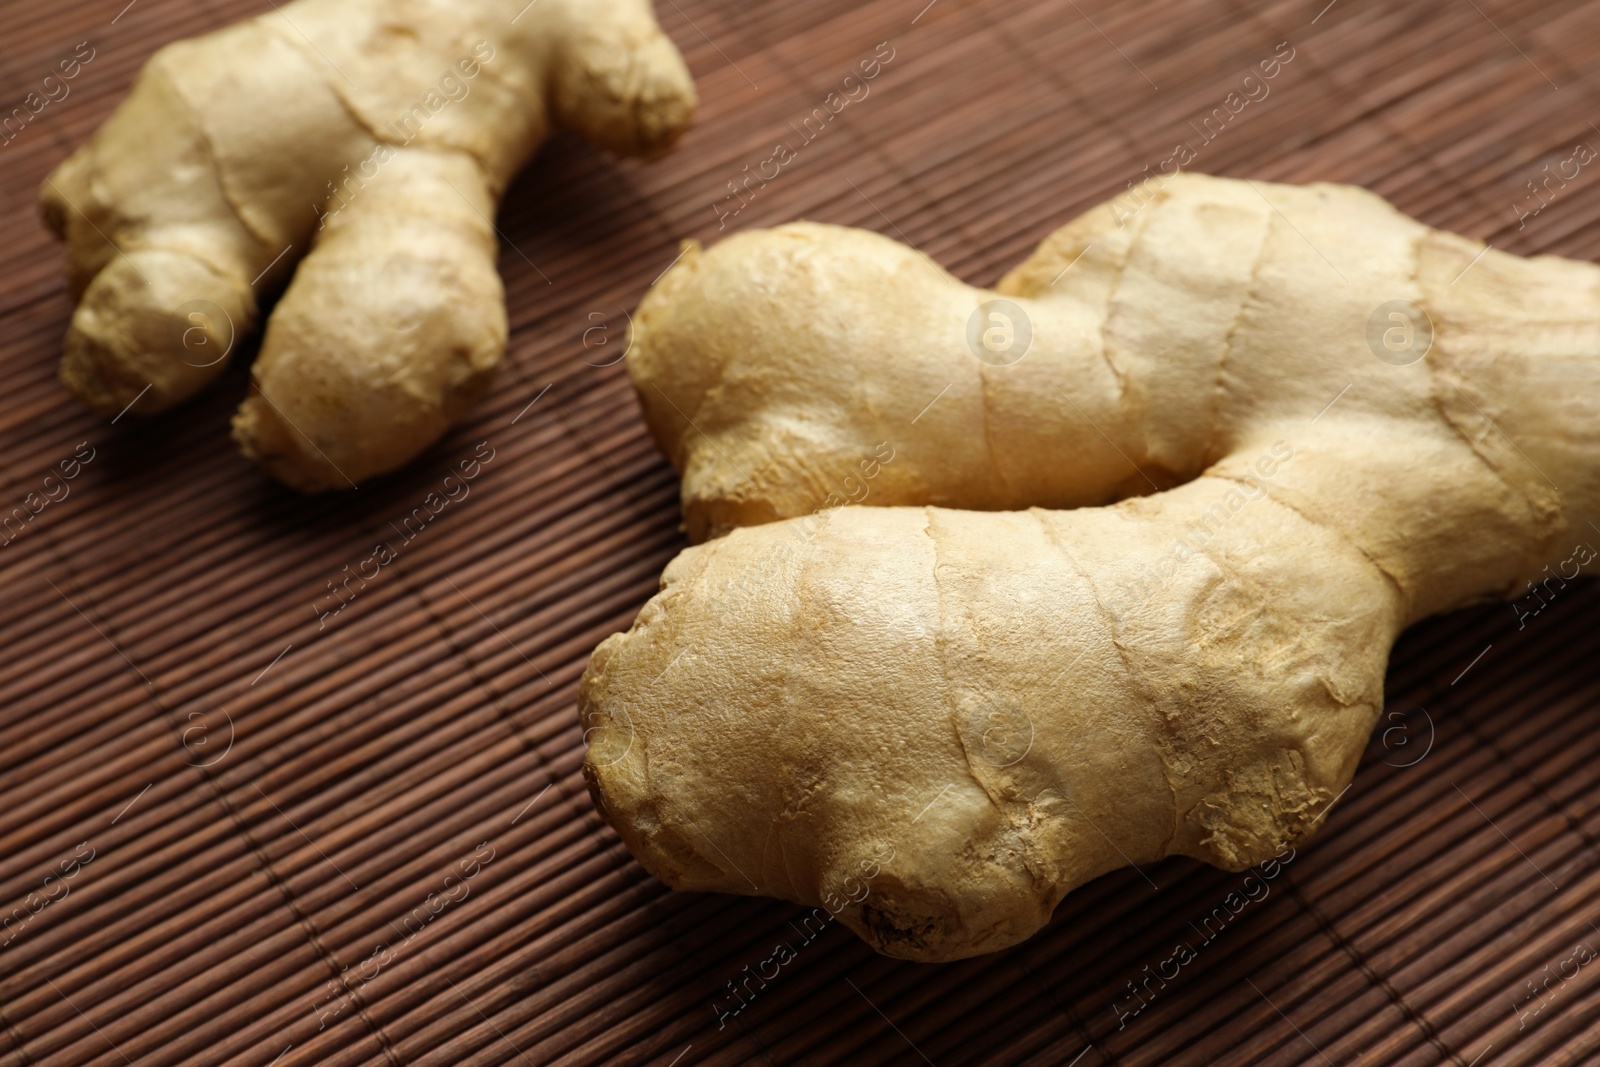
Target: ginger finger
[(953, 694), (390, 330), (772, 365)]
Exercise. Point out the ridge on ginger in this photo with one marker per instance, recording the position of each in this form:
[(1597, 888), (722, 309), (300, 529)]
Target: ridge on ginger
[(1128, 596), (369, 142)]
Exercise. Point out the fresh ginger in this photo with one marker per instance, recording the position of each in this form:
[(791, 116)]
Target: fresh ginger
[(370, 142), (1013, 702)]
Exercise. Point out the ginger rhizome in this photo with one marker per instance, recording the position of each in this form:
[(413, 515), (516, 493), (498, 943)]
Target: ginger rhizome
[(368, 143), (1126, 596)]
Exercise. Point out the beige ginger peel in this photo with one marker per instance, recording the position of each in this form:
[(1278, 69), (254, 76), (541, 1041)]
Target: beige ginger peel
[(1001, 676), (369, 142)]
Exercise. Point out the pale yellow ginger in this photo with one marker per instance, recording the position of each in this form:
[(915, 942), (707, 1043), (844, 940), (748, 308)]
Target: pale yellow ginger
[(1324, 421), (375, 135)]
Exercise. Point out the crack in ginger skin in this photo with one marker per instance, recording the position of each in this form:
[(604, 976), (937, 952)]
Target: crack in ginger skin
[(1201, 667), (369, 142)]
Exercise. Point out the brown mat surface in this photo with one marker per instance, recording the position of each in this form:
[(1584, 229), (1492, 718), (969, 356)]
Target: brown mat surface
[(250, 802)]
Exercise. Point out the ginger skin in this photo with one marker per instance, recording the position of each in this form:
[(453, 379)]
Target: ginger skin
[(369, 142), (1201, 511)]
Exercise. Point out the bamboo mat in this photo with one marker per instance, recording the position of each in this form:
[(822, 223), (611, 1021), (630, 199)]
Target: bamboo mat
[(250, 802)]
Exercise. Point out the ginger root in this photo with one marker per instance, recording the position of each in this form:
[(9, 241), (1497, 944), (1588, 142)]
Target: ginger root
[(370, 142), (985, 708)]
